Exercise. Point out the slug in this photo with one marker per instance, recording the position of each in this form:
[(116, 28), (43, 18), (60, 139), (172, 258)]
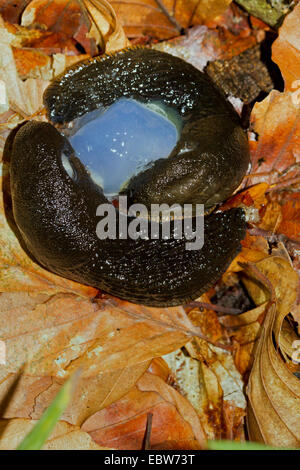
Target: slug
[(55, 190)]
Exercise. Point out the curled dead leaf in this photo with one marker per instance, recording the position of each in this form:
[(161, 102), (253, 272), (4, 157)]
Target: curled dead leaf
[(273, 390)]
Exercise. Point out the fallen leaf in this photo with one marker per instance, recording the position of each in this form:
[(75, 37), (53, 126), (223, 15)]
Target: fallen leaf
[(244, 331), (11, 11), (208, 377), (286, 50), (163, 19), (64, 436), (73, 29), (273, 390), (276, 152), (25, 96), (244, 76), (111, 340), (200, 45), (275, 156), (65, 25), (175, 424)]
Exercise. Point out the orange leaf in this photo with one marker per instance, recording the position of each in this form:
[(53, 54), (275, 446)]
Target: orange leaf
[(286, 50), (163, 19), (276, 119), (275, 155), (175, 424), (273, 391)]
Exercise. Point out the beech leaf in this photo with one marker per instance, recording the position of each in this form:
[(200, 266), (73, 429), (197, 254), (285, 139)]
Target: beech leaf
[(273, 390)]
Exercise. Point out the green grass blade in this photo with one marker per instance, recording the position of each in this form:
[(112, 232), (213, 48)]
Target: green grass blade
[(43, 428), (232, 445)]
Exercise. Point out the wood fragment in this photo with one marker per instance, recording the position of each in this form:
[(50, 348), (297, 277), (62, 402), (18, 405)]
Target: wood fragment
[(244, 76)]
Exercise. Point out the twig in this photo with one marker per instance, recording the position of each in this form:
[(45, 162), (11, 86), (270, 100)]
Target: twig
[(273, 237), (262, 278), (171, 18), (146, 443), (215, 307)]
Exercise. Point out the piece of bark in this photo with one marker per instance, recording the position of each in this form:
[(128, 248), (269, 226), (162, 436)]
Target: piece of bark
[(244, 76)]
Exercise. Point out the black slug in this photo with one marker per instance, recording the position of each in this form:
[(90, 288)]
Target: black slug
[(189, 148)]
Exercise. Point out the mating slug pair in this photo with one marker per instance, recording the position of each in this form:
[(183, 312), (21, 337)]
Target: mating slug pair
[(138, 97)]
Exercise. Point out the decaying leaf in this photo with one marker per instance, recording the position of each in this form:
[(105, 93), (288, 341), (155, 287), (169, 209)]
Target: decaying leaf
[(24, 96), (276, 156), (286, 50), (112, 341), (201, 45), (244, 330), (208, 377), (91, 23), (164, 19), (276, 153), (54, 34), (175, 424), (273, 390), (64, 437), (63, 25)]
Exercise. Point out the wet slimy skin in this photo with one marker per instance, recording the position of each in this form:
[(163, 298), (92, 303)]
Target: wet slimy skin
[(55, 210), (128, 135)]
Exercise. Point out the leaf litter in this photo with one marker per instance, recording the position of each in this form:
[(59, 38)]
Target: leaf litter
[(186, 365)]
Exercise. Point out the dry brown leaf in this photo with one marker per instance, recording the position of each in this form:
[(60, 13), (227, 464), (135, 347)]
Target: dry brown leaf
[(276, 120), (244, 330), (175, 424), (200, 45), (111, 340), (47, 40), (286, 50), (54, 335), (61, 25), (64, 436), (274, 394), (273, 391), (163, 19), (210, 380), (33, 395), (24, 96), (282, 214), (275, 156)]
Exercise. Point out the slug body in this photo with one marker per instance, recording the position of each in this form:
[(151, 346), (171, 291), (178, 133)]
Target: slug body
[(56, 213)]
